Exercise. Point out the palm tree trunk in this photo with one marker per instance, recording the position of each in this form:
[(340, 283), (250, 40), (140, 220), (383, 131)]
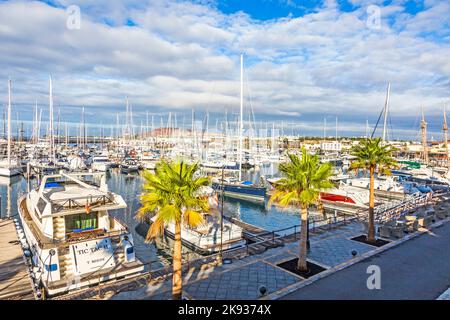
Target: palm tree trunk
[(177, 280), (371, 224), (302, 265)]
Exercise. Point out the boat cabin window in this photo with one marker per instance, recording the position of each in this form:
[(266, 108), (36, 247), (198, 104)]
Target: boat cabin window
[(81, 222), (41, 205)]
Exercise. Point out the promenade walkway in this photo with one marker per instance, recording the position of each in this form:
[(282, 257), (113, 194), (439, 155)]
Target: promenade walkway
[(242, 278), (415, 266), (416, 269)]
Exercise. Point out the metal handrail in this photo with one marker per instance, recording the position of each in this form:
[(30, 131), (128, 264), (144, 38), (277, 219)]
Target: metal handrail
[(60, 205)]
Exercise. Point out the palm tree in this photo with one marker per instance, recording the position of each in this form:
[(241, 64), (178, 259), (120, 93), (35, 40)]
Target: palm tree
[(376, 157), (304, 178), (172, 193)]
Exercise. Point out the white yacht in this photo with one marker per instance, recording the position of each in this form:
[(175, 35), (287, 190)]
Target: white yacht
[(129, 166), (9, 169), (206, 238), (148, 161), (345, 194), (380, 183), (100, 163), (73, 240), (76, 163)]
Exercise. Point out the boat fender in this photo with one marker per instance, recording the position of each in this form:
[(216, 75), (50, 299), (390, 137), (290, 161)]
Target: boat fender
[(128, 250)]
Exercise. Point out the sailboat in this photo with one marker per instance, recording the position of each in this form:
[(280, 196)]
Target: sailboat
[(8, 168), (46, 164), (236, 188)]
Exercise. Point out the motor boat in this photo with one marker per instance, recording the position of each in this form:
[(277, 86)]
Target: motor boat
[(74, 241)]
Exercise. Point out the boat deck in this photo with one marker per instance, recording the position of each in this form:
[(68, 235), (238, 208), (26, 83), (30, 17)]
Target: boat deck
[(15, 282)]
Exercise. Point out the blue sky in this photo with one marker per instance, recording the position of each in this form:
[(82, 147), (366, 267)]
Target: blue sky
[(304, 60)]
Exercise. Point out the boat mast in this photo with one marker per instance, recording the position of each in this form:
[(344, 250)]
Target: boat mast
[(52, 147), (39, 126), (367, 129), (35, 124), (386, 109), (241, 125), (423, 126), (9, 121), (336, 128), (445, 129)]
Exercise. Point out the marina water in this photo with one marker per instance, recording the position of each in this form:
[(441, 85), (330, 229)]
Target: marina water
[(129, 187)]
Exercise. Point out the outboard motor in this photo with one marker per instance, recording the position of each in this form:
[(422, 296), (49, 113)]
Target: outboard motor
[(128, 248)]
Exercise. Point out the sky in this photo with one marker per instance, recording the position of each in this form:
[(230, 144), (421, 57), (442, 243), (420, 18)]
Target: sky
[(304, 61)]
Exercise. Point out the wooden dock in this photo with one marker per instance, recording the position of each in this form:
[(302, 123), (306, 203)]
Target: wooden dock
[(15, 283)]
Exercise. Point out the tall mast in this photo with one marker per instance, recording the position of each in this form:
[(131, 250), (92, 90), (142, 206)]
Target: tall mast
[(241, 124), (58, 128), (367, 128), (127, 126), (9, 121), (35, 125), (423, 126), (83, 130), (4, 121), (52, 146), (336, 128), (39, 125), (445, 129), (67, 134), (386, 109)]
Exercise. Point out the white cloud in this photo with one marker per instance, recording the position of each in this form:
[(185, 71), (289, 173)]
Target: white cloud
[(182, 55)]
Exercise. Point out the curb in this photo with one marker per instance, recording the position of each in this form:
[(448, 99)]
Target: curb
[(285, 291)]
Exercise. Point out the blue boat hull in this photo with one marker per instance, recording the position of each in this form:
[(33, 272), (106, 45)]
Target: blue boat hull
[(241, 191)]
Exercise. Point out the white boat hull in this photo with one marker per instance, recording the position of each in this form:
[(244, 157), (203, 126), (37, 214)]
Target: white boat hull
[(10, 171)]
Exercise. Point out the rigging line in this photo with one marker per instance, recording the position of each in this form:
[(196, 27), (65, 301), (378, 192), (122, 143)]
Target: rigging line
[(376, 125)]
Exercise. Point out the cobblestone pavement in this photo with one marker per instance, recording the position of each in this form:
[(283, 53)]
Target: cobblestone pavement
[(413, 269), (242, 278), (334, 247), (242, 283)]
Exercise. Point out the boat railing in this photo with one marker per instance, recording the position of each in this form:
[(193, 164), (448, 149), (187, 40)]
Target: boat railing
[(89, 201), (395, 209), (91, 234), (46, 242)]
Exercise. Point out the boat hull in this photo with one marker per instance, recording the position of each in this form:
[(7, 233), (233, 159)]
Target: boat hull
[(10, 172), (60, 283), (241, 191)]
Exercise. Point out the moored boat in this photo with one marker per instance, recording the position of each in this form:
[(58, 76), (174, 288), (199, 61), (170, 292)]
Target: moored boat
[(73, 240)]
